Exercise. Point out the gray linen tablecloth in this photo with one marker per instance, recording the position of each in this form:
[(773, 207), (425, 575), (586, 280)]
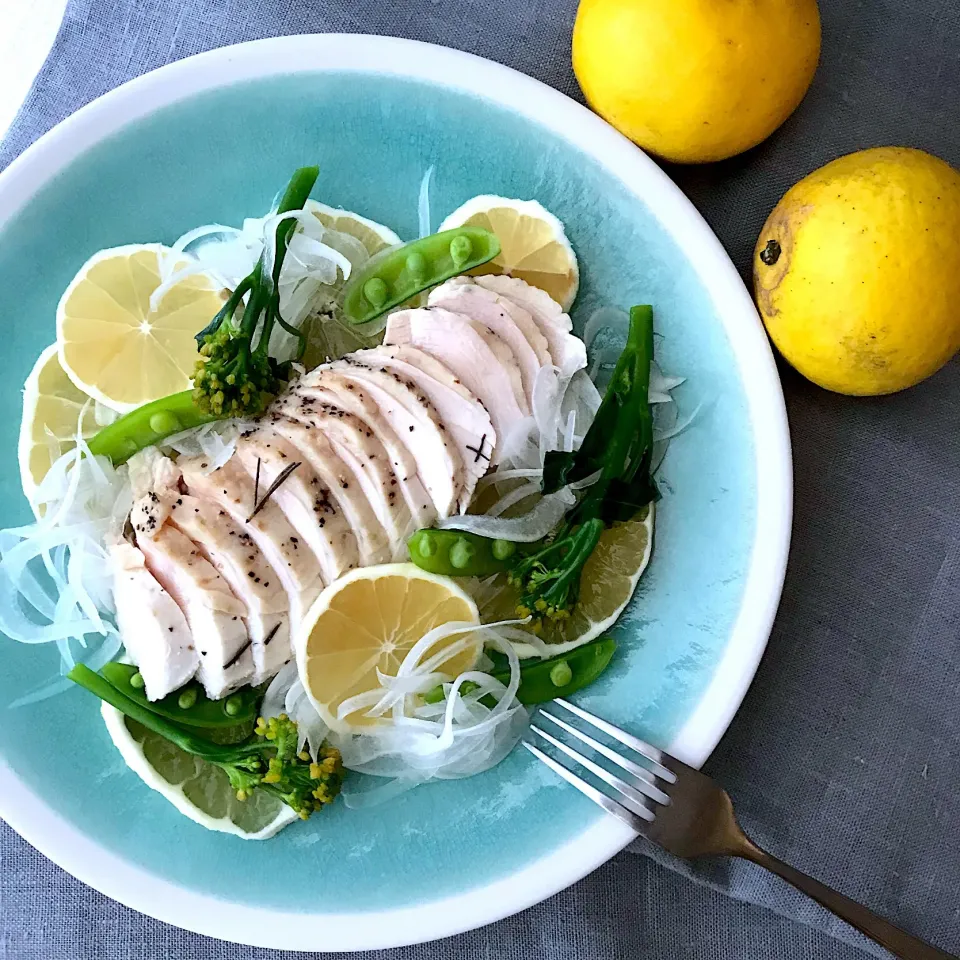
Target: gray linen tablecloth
[(845, 758)]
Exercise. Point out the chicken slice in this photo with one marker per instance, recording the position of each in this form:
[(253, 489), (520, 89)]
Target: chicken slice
[(307, 497), (415, 420), (224, 543), (465, 416), (232, 489), (213, 613), (508, 362), (508, 320), (361, 451), (567, 351), (452, 339), (345, 494), (154, 629), (333, 388)]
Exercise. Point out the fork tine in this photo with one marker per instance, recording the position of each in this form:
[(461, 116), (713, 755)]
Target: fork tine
[(635, 823), (647, 783), (627, 739), (635, 801)]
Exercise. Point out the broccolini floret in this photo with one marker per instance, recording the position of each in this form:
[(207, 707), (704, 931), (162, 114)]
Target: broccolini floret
[(268, 760), (235, 375)]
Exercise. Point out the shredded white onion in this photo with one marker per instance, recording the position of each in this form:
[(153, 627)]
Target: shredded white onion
[(286, 695), (530, 527), (416, 741), (55, 574), (458, 737), (216, 441), (316, 261), (190, 267), (423, 204)]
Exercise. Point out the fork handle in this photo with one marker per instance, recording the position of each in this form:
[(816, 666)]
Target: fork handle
[(897, 941)]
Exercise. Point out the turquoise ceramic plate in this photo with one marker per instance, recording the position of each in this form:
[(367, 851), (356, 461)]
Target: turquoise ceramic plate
[(211, 139)]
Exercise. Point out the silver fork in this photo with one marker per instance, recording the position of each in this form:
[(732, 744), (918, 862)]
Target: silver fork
[(690, 815)]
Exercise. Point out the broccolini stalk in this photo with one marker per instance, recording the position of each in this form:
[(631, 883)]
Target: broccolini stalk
[(268, 760), (617, 450), (236, 375)]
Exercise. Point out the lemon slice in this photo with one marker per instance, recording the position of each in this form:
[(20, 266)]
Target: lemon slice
[(51, 413), (113, 345), (369, 620), (199, 790), (374, 236), (533, 245), (608, 582)]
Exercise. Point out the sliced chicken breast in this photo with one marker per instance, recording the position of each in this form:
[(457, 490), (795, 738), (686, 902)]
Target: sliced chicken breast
[(567, 351), (466, 417), (307, 497), (361, 451), (254, 582), (213, 613), (154, 630), (415, 420), (508, 362), (508, 320), (232, 489), (346, 495), (452, 339), (331, 387)]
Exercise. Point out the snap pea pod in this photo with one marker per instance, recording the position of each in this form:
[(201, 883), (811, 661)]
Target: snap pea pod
[(148, 425), (233, 717), (456, 553), (544, 680), (398, 273)]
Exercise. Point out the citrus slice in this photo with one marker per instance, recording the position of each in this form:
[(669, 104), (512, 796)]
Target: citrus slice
[(199, 790), (608, 581), (113, 345), (51, 413), (374, 236), (367, 621), (533, 245)]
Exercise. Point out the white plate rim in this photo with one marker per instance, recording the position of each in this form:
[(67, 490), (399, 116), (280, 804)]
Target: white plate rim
[(164, 900)]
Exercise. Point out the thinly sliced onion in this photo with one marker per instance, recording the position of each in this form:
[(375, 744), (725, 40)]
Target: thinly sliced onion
[(285, 694), (215, 441), (661, 385), (423, 203), (86, 500), (190, 269), (513, 497), (503, 476), (275, 698), (532, 526), (605, 319), (416, 742), (679, 427), (103, 416), (459, 737)]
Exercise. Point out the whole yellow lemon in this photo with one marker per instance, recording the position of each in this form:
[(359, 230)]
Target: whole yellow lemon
[(696, 80), (857, 271)]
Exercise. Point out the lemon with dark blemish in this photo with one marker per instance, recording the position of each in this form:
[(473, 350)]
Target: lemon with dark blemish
[(857, 271)]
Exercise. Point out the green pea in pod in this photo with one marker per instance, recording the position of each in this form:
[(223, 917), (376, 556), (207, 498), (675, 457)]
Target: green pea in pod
[(395, 275)]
